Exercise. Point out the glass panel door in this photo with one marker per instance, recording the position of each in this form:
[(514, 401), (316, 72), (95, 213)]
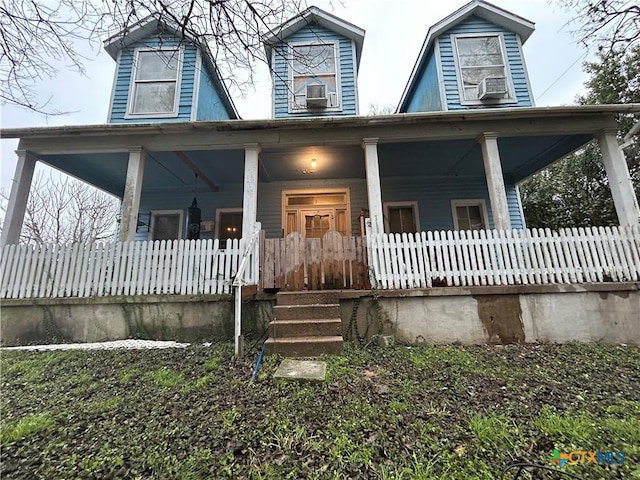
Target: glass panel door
[(316, 222)]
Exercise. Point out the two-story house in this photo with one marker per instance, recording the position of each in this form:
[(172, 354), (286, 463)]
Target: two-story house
[(442, 171)]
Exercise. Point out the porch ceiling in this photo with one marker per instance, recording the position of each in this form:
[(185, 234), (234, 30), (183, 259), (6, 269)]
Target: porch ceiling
[(521, 156)]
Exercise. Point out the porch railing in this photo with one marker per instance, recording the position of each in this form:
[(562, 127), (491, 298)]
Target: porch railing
[(511, 257), (248, 273), (120, 268)]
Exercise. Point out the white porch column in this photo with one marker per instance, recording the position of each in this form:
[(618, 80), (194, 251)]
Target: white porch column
[(374, 191), (131, 197), (495, 181), (18, 198), (624, 197), (250, 194)]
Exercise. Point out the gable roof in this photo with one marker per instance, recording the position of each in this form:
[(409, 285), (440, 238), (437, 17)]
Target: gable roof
[(308, 17), (496, 15), (152, 24)]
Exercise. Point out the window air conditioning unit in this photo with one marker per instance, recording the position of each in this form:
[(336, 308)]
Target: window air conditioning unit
[(316, 95), (492, 87)]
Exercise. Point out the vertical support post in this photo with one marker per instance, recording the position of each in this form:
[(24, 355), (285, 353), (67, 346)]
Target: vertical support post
[(18, 197), (131, 197), (250, 192), (495, 181), (238, 322), (624, 196), (374, 191)]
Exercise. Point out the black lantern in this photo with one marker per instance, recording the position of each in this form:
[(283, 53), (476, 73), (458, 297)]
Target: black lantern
[(193, 231), (194, 221)]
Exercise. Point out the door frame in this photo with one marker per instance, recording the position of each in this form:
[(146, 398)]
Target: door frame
[(310, 191)]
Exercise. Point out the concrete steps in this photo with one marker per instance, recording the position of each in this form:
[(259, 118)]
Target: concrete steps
[(305, 324)]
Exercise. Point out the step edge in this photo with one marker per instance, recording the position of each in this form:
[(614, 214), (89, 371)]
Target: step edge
[(306, 339), (307, 305), (292, 321)]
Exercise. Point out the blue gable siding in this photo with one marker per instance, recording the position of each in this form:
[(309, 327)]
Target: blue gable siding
[(514, 60), (346, 74), (123, 80), (425, 96), (209, 105)]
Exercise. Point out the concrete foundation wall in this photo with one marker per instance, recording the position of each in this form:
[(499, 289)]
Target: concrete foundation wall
[(180, 318), (608, 313)]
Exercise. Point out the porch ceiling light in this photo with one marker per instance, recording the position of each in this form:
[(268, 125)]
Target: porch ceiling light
[(314, 163)]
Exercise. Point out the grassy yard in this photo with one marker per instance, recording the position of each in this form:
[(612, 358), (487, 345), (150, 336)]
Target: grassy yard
[(401, 413)]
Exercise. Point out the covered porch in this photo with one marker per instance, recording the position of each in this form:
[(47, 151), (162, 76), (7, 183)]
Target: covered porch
[(342, 202)]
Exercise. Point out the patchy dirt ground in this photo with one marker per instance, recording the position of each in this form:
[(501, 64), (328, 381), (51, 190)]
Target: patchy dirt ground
[(401, 413)]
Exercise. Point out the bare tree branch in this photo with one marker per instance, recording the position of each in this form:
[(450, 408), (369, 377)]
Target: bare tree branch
[(38, 37), (65, 211), (605, 23)]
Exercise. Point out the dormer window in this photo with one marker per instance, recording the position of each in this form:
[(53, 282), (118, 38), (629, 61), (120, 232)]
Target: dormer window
[(155, 85), (314, 77), (482, 69)]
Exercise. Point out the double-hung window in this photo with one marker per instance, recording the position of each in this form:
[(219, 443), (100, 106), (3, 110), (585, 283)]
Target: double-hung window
[(401, 217), (155, 83), (166, 225), (469, 214), (315, 77), (479, 57), (229, 224)]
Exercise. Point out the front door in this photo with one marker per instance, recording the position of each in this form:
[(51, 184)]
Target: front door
[(317, 222), (314, 213)]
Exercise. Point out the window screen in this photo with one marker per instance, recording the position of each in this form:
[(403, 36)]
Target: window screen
[(478, 58), (166, 227), (155, 82), (402, 219), (470, 217)]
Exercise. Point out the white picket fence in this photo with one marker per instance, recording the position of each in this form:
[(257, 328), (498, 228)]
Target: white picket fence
[(511, 257), (122, 268)]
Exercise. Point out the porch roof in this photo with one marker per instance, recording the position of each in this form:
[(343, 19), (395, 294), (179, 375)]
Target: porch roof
[(411, 144)]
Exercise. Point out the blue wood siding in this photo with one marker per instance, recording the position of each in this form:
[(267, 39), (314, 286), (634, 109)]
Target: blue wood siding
[(209, 105), (347, 77), (123, 80), (514, 59), (433, 194), (425, 96)]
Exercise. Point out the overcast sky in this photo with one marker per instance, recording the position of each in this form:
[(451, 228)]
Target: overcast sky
[(395, 31)]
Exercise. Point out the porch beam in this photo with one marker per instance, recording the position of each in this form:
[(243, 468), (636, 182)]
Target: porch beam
[(495, 180), (250, 189), (340, 133), (374, 191), (132, 192), (20, 187), (194, 168), (615, 164)]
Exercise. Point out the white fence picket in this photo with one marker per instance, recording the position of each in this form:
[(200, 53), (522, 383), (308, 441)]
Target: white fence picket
[(425, 259), (510, 257)]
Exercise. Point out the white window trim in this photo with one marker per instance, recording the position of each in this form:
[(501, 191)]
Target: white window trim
[(290, 92), (132, 84), (416, 214), (507, 70), (219, 212), (152, 221), (470, 202)]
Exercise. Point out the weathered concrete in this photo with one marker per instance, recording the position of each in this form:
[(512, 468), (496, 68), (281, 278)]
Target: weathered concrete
[(302, 370), (177, 317), (608, 312)]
